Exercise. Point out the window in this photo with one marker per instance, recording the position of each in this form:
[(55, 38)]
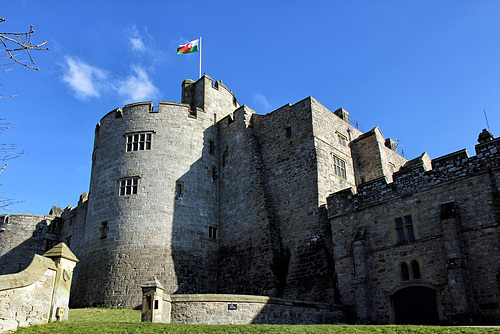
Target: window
[(103, 230), (342, 139), (224, 158), (179, 190), (139, 141), (404, 229), (415, 269), (339, 167), (128, 186), (288, 132), (410, 272), (211, 147), (214, 174), (405, 272), (212, 232)]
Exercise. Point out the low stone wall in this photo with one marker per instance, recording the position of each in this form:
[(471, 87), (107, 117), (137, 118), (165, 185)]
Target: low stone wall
[(38, 294), (244, 309), (222, 309)]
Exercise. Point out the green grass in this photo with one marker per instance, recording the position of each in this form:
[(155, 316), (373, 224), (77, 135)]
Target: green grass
[(106, 320)]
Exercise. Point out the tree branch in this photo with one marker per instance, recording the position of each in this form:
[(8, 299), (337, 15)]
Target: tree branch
[(20, 41)]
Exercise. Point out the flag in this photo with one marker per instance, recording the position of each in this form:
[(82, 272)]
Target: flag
[(189, 47)]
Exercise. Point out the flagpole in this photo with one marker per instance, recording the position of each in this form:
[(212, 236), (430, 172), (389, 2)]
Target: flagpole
[(200, 57)]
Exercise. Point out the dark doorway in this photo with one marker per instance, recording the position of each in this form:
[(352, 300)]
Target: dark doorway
[(415, 305)]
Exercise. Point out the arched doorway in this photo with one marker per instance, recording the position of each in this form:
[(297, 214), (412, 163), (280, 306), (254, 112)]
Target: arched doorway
[(415, 305)]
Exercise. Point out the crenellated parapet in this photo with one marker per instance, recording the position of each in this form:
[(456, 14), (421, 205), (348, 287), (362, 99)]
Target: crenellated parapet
[(416, 177)]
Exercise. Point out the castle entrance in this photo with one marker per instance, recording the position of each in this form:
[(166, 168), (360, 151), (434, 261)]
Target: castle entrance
[(415, 305)]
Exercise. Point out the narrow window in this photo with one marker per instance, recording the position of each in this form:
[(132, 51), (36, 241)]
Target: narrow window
[(415, 268), (224, 158), (339, 167), (409, 228), (212, 232), (342, 139), (139, 141), (156, 304), (214, 174), (215, 118), (400, 230), (404, 229), (179, 190), (103, 230), (405, 273), (288, 132), (129, 186), (211, 147)]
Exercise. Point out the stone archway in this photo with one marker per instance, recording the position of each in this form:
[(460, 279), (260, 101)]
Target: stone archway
[(415, 305)]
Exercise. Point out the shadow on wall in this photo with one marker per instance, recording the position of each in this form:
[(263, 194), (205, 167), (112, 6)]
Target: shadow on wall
[(35, 242)]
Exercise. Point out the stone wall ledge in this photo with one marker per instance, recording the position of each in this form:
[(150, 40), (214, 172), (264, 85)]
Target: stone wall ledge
[(30, 275), (229, 298)]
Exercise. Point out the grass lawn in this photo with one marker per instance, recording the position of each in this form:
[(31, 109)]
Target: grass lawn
[(106, 320)]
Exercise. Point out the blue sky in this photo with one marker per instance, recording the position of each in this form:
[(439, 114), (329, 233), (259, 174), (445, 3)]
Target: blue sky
[(423, 71)]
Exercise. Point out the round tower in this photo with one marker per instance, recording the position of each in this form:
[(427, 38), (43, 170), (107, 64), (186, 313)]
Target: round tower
[(152, 204)]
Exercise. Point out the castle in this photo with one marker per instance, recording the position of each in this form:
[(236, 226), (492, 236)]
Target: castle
[(209, 197)]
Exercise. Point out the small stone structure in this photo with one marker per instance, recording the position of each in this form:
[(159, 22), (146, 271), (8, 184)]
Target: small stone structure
[(226, 309), (40, 293)]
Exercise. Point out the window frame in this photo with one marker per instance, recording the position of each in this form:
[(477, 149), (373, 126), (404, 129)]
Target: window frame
[(339, 167), (139, 141), (126, 188), (213, 233), (404, 227), (342, 139)]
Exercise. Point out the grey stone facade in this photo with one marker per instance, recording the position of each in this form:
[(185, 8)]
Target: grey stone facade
[(445, 265), (210, 197)]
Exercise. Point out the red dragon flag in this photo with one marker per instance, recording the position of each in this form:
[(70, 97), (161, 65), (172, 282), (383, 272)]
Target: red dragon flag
[(189, 47)]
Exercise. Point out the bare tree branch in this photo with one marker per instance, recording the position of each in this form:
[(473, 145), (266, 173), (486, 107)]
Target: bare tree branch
[(20, 41)]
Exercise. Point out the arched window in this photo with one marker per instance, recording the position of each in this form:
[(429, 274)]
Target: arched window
[(405, 273), (415, 268)]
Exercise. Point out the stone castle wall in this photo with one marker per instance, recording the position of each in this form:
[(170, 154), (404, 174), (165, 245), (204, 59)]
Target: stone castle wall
[(163, 230), (457, 253), (245, 309), (249, 237), (21, 236)]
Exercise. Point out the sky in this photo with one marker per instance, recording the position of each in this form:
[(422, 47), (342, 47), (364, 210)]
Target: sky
[(425, 72)]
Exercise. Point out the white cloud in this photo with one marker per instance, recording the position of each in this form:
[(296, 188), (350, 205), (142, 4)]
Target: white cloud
[(84, 79), (137, 86), (137, 44), (88, 81), (261, 100), (136, 41)]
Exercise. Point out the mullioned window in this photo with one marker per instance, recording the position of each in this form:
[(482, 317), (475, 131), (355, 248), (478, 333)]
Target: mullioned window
[(129, 186), (139, 141)]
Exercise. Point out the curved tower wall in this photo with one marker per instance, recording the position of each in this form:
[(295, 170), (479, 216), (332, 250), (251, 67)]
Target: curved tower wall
[(163, 229)]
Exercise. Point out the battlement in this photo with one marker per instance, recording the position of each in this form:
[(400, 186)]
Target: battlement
[(417, 176), (197, 96)]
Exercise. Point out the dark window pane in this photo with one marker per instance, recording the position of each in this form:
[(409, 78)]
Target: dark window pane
[(399, 222), (408, 220), (401, 235), (409, 233), (415, 268), (405, 273)]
